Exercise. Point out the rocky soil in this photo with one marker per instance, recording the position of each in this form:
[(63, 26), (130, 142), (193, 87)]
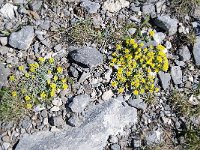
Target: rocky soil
[(89, 115)]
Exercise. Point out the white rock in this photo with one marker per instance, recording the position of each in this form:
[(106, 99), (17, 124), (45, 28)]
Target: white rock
[(57, 102), (191, 79), (193, 100), (159, 37), (54, 129), (55, 108), (115, 6), (108, 74), (39, 108), (45, 121), (8, 11), (168, 45), (107, 95)]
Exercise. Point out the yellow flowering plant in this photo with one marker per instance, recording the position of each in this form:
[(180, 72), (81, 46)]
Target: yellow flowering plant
[(38, 82), (136, 62)]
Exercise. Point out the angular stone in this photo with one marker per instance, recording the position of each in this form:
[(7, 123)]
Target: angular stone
[(23, 38), (115, 147), (4, 73), (57, 102), (79, 103), (113, 139), (176, 74), (8, 11), (87, 56), (115, 6), (26, 122), (35, 5), (148, 9), (91, 7), (74, 121), (3, 41), (196, 51), (154, 137), (184, 53), (58, 121), (107, 95), (55, 108), (137, 103), (165, 79), (166, 23), (101, 121)]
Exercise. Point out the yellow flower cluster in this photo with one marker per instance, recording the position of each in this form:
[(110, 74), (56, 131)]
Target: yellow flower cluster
[(38, 82), (137, 65)]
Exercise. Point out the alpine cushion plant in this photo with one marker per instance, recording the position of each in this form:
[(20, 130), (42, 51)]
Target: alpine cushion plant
[(136, 62), (37, 82)]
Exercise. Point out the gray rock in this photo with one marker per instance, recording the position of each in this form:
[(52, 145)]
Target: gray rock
[(45, 25), (1, 2), (137, 103), (58, 47), (4, 50), (134, 8), (58, 121), (4, 73), (44, 113), (19, 1), (87, 56), (148, 9), (115, 147), (3, 41), (23, 38), (26, 122), (196, 51), (184, 53), (101, 121), (137, 143), (154, 137), (165, 79), (160, 6), (91, 7), (12, 60), (84, 76), (74, 121), (176, 74), (73, 71), (79, 103), (8, 11), (166, 23), (35, 5)]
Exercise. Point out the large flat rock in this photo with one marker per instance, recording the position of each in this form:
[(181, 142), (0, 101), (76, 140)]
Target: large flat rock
[(101, 121), (87, 56)]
